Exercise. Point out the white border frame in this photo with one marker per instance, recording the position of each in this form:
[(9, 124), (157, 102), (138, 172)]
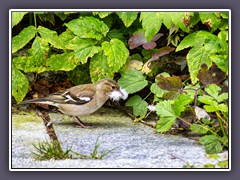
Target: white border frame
[(107, 10)]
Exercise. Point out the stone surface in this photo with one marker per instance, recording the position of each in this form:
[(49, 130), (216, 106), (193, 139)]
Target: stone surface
[(135, 145)]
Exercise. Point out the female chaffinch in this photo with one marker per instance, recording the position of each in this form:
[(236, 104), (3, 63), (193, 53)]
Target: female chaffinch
[(83, 99)]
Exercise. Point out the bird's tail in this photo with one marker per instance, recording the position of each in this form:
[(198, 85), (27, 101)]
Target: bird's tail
[(40, 101)]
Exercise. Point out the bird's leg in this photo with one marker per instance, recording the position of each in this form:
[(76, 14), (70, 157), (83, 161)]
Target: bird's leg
[(80, 123)]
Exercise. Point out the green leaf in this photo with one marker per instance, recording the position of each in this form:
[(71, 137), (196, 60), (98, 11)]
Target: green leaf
[(204, 44), (17, 17), (213, 156), (132, 81), (213, 90), (181, 102), (116, 53), (151, 22), (50, 36), (223, 164), (84, 48), (66, 37), (212, 144), (36, 62), (80, 75), (19, 84), (210, 19), (167, 116), (101, 14), (156, 90), (127, 17), (88, 27), (209, 165), (206, 99), (20, 40), (221, 61), (139, 105), (180, 19), (116, 34), (199, 128), (99, 67), (61, 62), (47, 17)]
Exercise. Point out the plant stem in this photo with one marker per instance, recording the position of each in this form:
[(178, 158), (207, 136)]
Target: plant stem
[(220, 123), (204, 127), (147, 96), (35, 19)]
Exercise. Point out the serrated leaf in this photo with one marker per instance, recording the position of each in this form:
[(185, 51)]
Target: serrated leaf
[(101, 14), (50, 36), (127, 17), (181, 102), (99, 67), (80, 75), (20, 40), (212, 144), (222, 97), (167, 116), (208, 139), (139, 105), (84, 48), (221, 61), (151, 22), (180, 19), (210, 76), (132, 81), (19, 84), (116, 53), (88, 27), (66, 37), (116, 34), (199, 128), (17, 17), (204, 44), (210, 19), (36, 62), (64, 62), (213, 90), (214, 147), (173, 83)]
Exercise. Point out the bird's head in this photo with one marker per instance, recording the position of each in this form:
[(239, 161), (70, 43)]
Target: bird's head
[(112, 89)]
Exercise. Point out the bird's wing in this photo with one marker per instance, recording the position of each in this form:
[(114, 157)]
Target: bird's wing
[(76, 95)]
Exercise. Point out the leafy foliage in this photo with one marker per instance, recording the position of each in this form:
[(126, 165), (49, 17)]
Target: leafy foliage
[(176, 61)]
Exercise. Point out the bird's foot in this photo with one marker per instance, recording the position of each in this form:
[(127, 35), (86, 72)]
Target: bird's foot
[(80, 124)]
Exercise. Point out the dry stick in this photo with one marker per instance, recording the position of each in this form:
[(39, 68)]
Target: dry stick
[(49, 128)]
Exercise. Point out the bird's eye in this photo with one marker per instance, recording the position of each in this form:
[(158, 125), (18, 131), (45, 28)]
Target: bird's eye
[(113, 87)]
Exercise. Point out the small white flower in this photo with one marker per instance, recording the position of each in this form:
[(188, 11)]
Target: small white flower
[(151, 108), (124, 94)]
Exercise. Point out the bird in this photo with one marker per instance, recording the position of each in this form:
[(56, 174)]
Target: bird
[(83, 99)]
